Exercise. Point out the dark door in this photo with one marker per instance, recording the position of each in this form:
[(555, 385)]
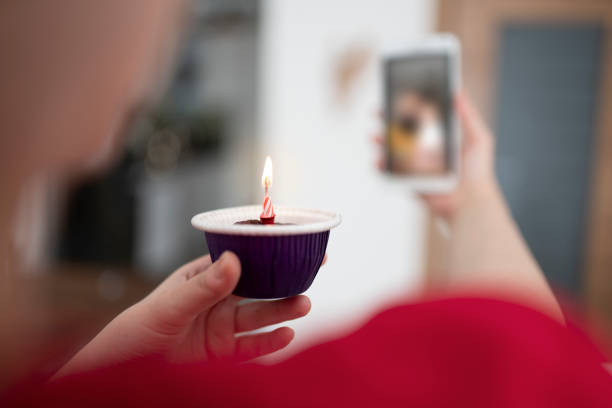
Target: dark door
[(548, 83)]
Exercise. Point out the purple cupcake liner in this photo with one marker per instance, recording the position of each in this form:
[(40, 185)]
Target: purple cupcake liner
[(272, 266), (278, 260)]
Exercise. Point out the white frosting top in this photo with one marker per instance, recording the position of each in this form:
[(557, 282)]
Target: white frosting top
[(306, 221)]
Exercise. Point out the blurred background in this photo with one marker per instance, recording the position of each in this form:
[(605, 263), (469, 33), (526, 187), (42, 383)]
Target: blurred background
[(301, 82)]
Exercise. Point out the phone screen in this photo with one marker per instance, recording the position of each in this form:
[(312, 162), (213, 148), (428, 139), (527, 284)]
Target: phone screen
[(418, 115)]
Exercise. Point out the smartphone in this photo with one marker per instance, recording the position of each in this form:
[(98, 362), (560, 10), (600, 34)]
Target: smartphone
[(422, 137)]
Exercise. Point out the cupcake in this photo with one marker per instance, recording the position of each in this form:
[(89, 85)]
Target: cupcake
[(278, 260)]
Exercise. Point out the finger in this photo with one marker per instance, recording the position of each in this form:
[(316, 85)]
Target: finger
[(441, 204), (205, 289), (433, 198), (256, 315), (429, 200), (179, 276), (257, 345), (220, 328), (196, 266), (378, 139), (477, 132), (381, 164), (472, 112), (469, 137), (324, 259)]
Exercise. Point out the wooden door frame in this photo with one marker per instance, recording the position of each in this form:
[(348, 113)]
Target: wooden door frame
[(477, 23)]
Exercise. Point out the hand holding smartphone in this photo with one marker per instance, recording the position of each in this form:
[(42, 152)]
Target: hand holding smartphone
[(422, 139)]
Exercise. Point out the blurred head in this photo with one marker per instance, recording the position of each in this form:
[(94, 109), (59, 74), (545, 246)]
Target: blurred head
[(71, 72)]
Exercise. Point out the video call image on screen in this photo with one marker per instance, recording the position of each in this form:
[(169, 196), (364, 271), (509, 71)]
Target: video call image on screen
[(418, 115)]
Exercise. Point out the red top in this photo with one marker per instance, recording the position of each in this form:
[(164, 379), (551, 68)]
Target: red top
[(460, 353)]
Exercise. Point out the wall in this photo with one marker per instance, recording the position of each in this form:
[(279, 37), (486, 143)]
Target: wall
[(323, 156)]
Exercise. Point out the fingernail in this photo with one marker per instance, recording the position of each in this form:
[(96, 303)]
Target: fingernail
[(223, 257), (219, 270)]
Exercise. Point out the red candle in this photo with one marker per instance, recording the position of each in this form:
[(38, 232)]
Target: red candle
[(267, 215)]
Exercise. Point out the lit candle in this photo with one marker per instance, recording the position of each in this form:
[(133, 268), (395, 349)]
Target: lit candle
[(267, 215)]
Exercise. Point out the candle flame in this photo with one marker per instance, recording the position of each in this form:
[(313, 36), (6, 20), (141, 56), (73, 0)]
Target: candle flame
[(266, 177)]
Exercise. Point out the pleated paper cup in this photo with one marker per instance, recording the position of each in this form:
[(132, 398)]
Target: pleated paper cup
[(277, 260)]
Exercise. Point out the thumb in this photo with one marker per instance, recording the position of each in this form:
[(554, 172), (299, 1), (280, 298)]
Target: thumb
[(207, 288), (476, 131)]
